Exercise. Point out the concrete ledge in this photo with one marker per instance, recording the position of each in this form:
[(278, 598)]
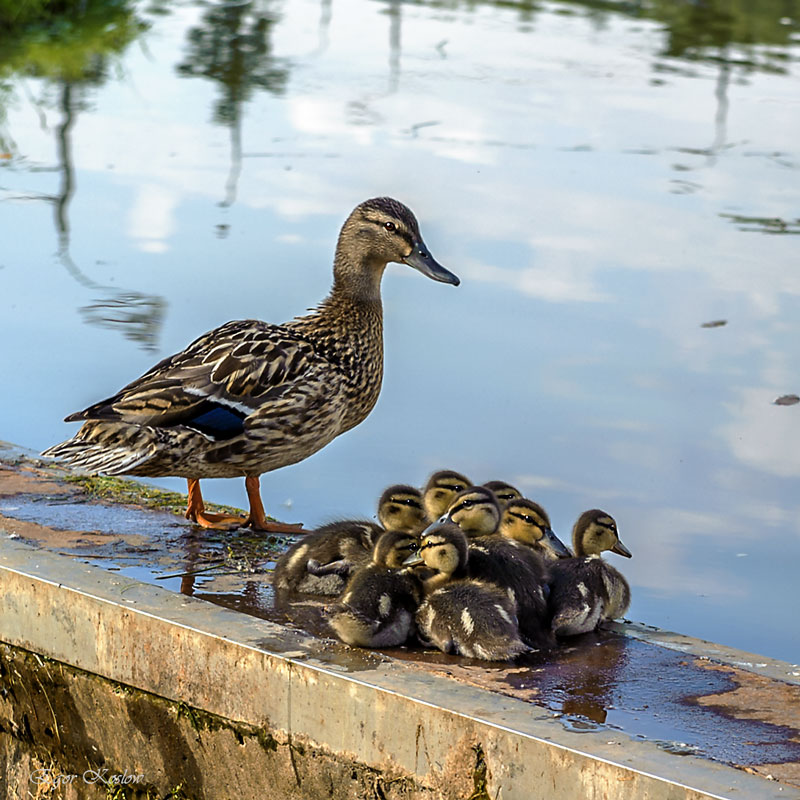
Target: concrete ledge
[(430, 734)]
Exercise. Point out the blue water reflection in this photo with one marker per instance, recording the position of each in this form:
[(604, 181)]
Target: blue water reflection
[(603, 181)]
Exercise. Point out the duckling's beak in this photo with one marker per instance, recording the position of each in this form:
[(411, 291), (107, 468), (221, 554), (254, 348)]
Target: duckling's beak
[(422, 260), (556, 545), (444, 518), (621, 550), (414, 559)]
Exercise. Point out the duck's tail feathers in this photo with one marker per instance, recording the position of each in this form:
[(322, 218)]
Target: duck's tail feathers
[(97, 458)]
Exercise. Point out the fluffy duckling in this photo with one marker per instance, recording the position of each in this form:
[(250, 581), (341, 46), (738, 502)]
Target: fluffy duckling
[(400, 509), (504, 492), (475, 510), (440, 490), (380, 600), (585, 590), (503, 561), (321, 562), (527, 522), (461, 615)]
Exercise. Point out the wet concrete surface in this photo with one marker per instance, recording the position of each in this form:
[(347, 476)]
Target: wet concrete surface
[(604, 681)]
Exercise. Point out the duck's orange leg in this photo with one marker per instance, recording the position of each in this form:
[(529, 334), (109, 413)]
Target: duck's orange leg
[(257, 519), (196, 511)]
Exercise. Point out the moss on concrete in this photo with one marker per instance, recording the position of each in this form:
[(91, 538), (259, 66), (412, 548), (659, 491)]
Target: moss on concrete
[(124, 490)]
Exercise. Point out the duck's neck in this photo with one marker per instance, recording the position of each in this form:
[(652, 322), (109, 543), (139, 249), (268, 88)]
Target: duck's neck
[(347, 330), (580, 550)]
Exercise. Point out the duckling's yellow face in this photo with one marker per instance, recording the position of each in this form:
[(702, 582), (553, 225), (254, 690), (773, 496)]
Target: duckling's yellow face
[(401, 509), (440, 554), (527, 522), (523, 523), (475, 511), (440, 491), (504, 492), (393, 548), (595, 532)]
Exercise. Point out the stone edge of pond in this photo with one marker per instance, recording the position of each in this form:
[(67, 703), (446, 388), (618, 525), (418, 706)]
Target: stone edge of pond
[(351, 704)]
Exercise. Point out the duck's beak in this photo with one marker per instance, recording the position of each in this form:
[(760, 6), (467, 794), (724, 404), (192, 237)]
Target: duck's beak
[(422, 260), (414, 559), (555, 544), (621, 550), (444, 518)]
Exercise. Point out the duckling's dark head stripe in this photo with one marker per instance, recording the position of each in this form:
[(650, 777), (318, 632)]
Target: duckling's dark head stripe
[(402, 494), (523, 517)]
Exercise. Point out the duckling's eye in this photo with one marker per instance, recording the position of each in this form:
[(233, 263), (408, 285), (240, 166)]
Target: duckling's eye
[(390, 226)]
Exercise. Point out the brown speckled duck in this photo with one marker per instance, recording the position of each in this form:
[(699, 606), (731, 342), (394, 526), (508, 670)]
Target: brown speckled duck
[(250, 397)]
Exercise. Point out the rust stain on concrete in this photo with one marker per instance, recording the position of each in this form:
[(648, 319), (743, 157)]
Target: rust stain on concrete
[(759, 698), (24, 480)]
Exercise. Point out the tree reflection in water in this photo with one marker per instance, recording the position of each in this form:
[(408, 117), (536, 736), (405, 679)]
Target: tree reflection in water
[(71, 46), (233, 48)]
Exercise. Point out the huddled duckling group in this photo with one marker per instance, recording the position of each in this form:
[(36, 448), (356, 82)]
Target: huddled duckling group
[(470, 570)]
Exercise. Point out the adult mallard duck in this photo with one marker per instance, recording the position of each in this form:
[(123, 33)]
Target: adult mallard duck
[(250, 397)]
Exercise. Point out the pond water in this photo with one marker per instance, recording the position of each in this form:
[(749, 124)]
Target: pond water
[(606, 179)]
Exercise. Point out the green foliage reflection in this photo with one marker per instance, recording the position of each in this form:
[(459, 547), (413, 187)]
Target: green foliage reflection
[(66, 40)]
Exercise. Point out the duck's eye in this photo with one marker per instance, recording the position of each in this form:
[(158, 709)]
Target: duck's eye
[(390, 226)]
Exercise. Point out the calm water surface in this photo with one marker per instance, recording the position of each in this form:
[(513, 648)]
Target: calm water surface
[(604, 178)]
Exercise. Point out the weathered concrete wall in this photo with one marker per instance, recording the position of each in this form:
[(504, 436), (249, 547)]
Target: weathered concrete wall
[(68, 733), (342, 723)]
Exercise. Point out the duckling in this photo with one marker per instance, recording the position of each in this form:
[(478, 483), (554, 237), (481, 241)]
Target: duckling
[(527, 522), (400, 509), (504, 492), (250, 397), (380, 600), (585, 590), (475, 510), (321, 562), (503, 561), (461, 615), (440, 490)]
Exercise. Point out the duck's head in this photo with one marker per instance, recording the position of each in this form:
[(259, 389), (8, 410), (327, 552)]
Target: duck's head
[(504, 492), (444, 550), (527, 522), (378, 231), (393, 548), (440, 490), (475, 511), (594, 532), (400, 509)]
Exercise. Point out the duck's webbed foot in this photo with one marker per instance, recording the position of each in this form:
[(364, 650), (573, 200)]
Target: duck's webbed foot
[(257, 518), (196, 511), (217, 522), (340, 567)]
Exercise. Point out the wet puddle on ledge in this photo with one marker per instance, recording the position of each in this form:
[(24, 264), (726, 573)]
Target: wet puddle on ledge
[(602, 681)]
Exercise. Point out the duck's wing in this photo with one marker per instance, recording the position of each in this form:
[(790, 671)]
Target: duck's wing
[(218, 381)]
